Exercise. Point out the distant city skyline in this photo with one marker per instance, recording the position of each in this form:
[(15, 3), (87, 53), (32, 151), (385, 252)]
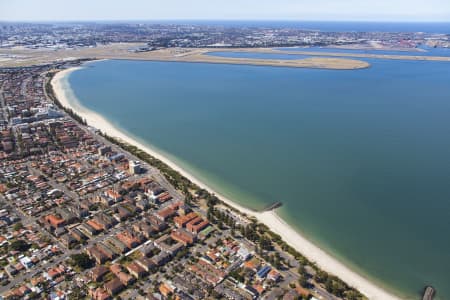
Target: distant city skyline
[(292, 10)]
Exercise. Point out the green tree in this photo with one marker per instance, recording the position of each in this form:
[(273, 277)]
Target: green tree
[(320, 276), (303, 281), (77, 293), (352, 295), (19, 245), (18, 226), (81, 260), (329, 284)]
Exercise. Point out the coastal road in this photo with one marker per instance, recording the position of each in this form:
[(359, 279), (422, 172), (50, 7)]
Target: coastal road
[(3, 106)]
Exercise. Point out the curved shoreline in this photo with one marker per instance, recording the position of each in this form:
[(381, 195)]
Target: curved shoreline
[(314, 253)]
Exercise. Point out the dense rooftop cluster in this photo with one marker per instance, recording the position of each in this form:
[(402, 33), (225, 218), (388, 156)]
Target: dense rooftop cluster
[(57, 36)]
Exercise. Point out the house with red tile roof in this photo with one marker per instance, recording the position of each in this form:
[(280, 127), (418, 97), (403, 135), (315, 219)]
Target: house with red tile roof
[(130, 240), (96, 254), (181, 221), (166, 289), (113, 195), (125, 278), (165, 213), (196, 225), (55, 272), (98, 272), (115, 268), (145, 263), (273, 275), (136, 270), (97, 227), (54, 221), (114, 286), (99, 294)]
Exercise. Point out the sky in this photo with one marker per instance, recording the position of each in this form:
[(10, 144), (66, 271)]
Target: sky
[(295, 10)]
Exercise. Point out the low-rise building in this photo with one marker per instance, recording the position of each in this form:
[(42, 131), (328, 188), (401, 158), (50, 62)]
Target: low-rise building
[(165, 213), (97, 273), (54, 221), (181, 221), (114, 286), (146, 264), (97, 255), (136, 270), (161, 259), (99, 294), (183, 236)]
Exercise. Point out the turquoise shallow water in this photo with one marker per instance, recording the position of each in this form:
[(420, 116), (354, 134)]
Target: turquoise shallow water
[(360, 159)]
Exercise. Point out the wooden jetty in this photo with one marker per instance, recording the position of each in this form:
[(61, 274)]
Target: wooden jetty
[(428, 293), (272, 206)]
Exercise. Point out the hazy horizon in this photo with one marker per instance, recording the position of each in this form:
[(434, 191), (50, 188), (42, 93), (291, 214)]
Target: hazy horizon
[(220, 20), (398, 11)]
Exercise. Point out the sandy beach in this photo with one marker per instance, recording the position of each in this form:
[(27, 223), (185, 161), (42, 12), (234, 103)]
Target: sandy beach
[(324, 260)]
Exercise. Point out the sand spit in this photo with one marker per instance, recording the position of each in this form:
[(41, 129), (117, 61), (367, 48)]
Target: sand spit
[(122, 51)]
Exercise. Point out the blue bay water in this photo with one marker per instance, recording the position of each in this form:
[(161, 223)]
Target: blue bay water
[(321, 50), (428, 51), (360, 159)]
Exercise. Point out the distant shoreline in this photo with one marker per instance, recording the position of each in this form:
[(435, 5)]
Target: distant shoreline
[(196, 55), (120, 51), (270, 218)]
